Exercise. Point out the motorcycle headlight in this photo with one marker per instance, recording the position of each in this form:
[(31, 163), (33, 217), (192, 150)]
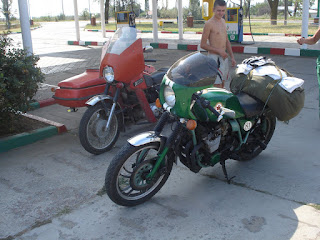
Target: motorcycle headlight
[(108, 74), (169, 96)]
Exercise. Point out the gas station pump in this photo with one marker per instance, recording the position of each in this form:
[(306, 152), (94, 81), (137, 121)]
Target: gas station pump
[(125, 19), (233, 19)]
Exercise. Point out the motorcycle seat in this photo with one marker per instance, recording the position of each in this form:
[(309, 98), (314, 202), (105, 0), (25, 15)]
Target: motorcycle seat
[(251, 106), (156, 77)]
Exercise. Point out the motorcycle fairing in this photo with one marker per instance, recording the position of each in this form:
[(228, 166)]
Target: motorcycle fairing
[(218, 97), (127, 65), (184, 94)]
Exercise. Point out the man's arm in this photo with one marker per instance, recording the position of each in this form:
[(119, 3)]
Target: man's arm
[(229, 50), (204, 45), (310, 40)]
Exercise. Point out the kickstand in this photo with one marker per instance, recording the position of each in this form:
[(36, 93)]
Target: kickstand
[(223, 164)]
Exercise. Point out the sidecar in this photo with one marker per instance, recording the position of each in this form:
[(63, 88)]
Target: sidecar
[(75, 91)]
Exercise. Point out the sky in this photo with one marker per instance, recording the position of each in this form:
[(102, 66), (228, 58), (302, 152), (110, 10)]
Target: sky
[(56, 7)]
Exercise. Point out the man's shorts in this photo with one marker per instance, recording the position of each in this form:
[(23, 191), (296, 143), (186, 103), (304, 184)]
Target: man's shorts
[(223, 68)]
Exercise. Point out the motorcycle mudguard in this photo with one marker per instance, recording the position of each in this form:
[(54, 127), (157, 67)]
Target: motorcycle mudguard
[(99, 98), (144, 138), (94, 100)]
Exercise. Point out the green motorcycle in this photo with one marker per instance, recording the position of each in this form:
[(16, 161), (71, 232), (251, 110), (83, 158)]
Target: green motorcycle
[(209, 125)]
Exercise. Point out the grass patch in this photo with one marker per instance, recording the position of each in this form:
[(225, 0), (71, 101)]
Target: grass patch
[(102, 191), (316, 206), (18, 30), (65, 210), (266, 27)]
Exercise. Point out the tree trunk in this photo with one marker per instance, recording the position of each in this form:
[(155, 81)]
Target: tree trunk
[(295, 8), (247, 7), (274, 11), (106, 11), (6, 12)]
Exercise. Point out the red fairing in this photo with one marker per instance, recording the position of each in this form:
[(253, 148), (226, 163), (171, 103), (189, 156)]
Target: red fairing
[(127, 65)]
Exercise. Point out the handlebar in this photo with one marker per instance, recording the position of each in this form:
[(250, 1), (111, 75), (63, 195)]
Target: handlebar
[(206, 104)]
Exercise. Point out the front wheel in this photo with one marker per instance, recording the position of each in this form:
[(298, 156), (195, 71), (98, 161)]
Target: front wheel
[(126, 183), (93, 134)]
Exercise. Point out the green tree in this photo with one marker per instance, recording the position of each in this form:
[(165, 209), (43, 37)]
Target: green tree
[(85, 15), (298, 5), (260, 9), (6, 10), (195, 9), (246, 7)]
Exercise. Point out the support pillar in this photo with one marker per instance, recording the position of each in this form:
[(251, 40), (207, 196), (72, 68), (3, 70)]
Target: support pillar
[(155, 20), (25, 26), (305, 21), (180, 20), (76, 19)]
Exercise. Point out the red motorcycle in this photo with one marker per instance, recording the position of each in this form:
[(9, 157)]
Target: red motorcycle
[(123, 88)]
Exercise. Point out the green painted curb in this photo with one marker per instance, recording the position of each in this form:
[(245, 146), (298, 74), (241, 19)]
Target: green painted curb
[(259, 34), (154, 45), (26, 138), (182, 47), (35, 105), (309, 53), (263, 50)]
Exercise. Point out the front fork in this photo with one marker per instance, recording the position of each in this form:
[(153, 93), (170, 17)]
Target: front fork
[(163, 151), (119, 86)]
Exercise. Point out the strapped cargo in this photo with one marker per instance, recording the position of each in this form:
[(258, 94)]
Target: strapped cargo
[(264, 80)]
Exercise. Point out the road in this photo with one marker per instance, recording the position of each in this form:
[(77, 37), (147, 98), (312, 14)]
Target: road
[(51, 189)]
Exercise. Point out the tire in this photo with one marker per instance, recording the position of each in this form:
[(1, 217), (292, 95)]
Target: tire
[(259, 138), (92, 133), (124, 180)]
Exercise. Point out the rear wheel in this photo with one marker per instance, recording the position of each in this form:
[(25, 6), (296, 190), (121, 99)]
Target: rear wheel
[(259, 138), (94, 136), (126, 182)]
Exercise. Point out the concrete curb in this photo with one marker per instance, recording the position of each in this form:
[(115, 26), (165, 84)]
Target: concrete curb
[(245, 49), (26, 138), (30, 29), (43, 103), (236, 49)]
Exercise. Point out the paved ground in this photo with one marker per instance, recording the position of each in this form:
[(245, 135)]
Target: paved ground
[(49, 190)]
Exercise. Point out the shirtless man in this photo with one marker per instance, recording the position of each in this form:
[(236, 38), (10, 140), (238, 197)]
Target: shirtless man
[(215, 30)]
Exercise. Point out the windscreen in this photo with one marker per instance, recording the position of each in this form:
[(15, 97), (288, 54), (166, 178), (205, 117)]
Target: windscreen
[(121, 40), (194, 70)]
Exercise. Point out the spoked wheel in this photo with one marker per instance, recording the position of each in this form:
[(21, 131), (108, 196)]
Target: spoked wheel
[(260, 137), (126, 179), (93, 134)]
